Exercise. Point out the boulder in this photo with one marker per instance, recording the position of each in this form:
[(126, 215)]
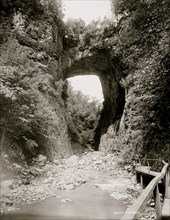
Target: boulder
[(6, 184), (41, 160), (6, 200), (72, 160), (15, 184)]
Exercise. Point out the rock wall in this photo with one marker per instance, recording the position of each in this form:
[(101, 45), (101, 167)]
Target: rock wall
[(145, 124), (30, 62)]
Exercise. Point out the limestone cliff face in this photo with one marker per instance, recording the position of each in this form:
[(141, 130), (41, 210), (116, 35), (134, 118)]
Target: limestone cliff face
[(145, 123), (146, 117), (30, 63)]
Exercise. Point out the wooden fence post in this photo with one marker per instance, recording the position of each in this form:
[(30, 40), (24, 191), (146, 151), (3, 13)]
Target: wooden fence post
[(140, 164), (157, 202), (148, 166), (141, 181), (167, 193)]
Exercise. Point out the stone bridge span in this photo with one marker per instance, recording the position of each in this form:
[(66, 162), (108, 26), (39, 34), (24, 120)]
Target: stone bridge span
[(109, 71)]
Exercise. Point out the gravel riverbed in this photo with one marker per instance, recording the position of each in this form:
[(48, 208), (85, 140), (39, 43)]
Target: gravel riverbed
[(67, 174)]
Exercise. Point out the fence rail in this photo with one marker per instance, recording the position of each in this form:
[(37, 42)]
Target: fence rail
[(154, 164), (134, 211)]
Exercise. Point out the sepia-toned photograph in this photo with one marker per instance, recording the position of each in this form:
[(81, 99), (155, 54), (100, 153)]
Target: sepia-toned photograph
[(85, 109)]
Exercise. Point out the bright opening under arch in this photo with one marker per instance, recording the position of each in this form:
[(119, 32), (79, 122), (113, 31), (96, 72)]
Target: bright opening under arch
[(89, 85)]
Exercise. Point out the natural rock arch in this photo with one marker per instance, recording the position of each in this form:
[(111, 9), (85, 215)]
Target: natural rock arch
[(109, 72)]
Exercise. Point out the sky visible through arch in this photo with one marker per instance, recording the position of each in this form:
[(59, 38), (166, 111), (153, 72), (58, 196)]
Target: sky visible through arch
[(87, 10), (89, 85)]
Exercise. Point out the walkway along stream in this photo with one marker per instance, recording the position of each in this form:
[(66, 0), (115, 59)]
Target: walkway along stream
[(153, 189)]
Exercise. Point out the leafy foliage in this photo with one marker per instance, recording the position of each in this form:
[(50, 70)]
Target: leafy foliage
[(73, 30), (28, 119), (16, 109), (84, 113), (52, 10), (95, 33), (126, 7), (50, 5), (75, 27)]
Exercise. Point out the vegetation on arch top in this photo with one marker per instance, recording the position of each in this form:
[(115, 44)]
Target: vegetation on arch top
[(145, 18), (91, 35)]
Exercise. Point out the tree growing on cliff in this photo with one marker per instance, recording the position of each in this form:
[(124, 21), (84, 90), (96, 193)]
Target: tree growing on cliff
[(76, 26), (53, 9), (23, 124), (140, 18)]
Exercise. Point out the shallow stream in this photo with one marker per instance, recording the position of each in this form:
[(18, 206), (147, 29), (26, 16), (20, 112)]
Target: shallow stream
[(84, 202)]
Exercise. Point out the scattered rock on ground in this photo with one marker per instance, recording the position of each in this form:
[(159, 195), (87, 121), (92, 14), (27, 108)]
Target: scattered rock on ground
[(67, 174)]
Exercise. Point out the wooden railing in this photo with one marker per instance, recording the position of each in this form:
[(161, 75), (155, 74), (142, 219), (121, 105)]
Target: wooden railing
[(149, 163), (134, 211), (147, 166)]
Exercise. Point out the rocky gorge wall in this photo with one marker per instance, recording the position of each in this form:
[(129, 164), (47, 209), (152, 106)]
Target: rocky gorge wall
[(145, 123), (30, 62)]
